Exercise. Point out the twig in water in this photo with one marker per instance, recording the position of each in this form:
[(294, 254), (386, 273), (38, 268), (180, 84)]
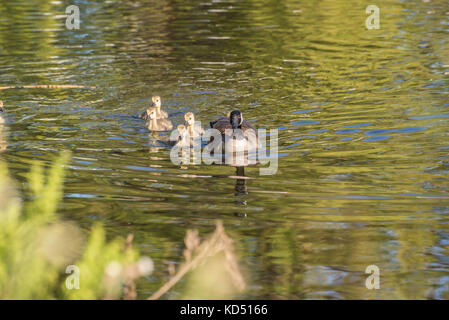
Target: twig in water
[(49, 86), (197, 252)]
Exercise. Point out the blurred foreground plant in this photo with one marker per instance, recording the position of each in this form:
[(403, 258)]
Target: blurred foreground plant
[(215, 275), (36, 246)]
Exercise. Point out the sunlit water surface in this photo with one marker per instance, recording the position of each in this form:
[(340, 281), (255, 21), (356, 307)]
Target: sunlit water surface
[(362, 117)]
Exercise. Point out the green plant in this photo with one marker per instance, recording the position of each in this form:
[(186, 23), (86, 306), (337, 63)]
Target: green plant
[(36, 247)]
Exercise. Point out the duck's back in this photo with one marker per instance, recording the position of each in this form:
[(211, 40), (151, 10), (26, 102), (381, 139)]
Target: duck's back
[(247, 126), (162, 125), (165, 124), (162, 115), (223, 123)]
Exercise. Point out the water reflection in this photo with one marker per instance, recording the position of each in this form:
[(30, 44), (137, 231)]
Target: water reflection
[(3, 132), (240, 182), (241, 190), (361, 114), (3, 141)]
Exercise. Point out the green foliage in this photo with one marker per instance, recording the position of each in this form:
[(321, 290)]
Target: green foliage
[(100, 267), (36, 246)]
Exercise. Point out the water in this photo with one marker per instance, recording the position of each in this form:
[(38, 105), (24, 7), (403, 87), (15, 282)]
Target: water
[(362, 118)]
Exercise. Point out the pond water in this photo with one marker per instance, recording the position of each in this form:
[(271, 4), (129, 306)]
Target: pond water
[(362, 119)]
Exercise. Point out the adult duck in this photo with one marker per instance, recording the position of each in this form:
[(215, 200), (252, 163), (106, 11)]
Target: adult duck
[(238, 134)]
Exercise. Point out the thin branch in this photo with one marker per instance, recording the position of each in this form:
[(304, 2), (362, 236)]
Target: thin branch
[(49, 86), (215, 243)]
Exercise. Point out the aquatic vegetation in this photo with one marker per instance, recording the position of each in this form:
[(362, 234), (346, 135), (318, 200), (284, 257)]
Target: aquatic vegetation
[(43, 257)]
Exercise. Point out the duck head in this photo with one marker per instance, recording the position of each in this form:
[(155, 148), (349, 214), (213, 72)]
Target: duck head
[(236, 119), (190, 118), (156, 102), (1, 107), (152, 114)]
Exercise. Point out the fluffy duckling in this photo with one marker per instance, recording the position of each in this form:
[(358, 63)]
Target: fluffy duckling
[(156, 104), (183, 140), (155, 124), (194, 128), (2, 121)]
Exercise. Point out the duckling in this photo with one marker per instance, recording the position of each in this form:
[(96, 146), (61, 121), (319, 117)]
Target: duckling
[(183, 140), (155, 124), (178, 137), (2, 121), (194, 128), (156, 104)]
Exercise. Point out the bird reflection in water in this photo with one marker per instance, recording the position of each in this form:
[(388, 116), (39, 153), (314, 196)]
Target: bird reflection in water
[(240, 189)]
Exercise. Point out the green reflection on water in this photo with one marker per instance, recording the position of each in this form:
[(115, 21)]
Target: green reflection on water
[(362, 118)]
